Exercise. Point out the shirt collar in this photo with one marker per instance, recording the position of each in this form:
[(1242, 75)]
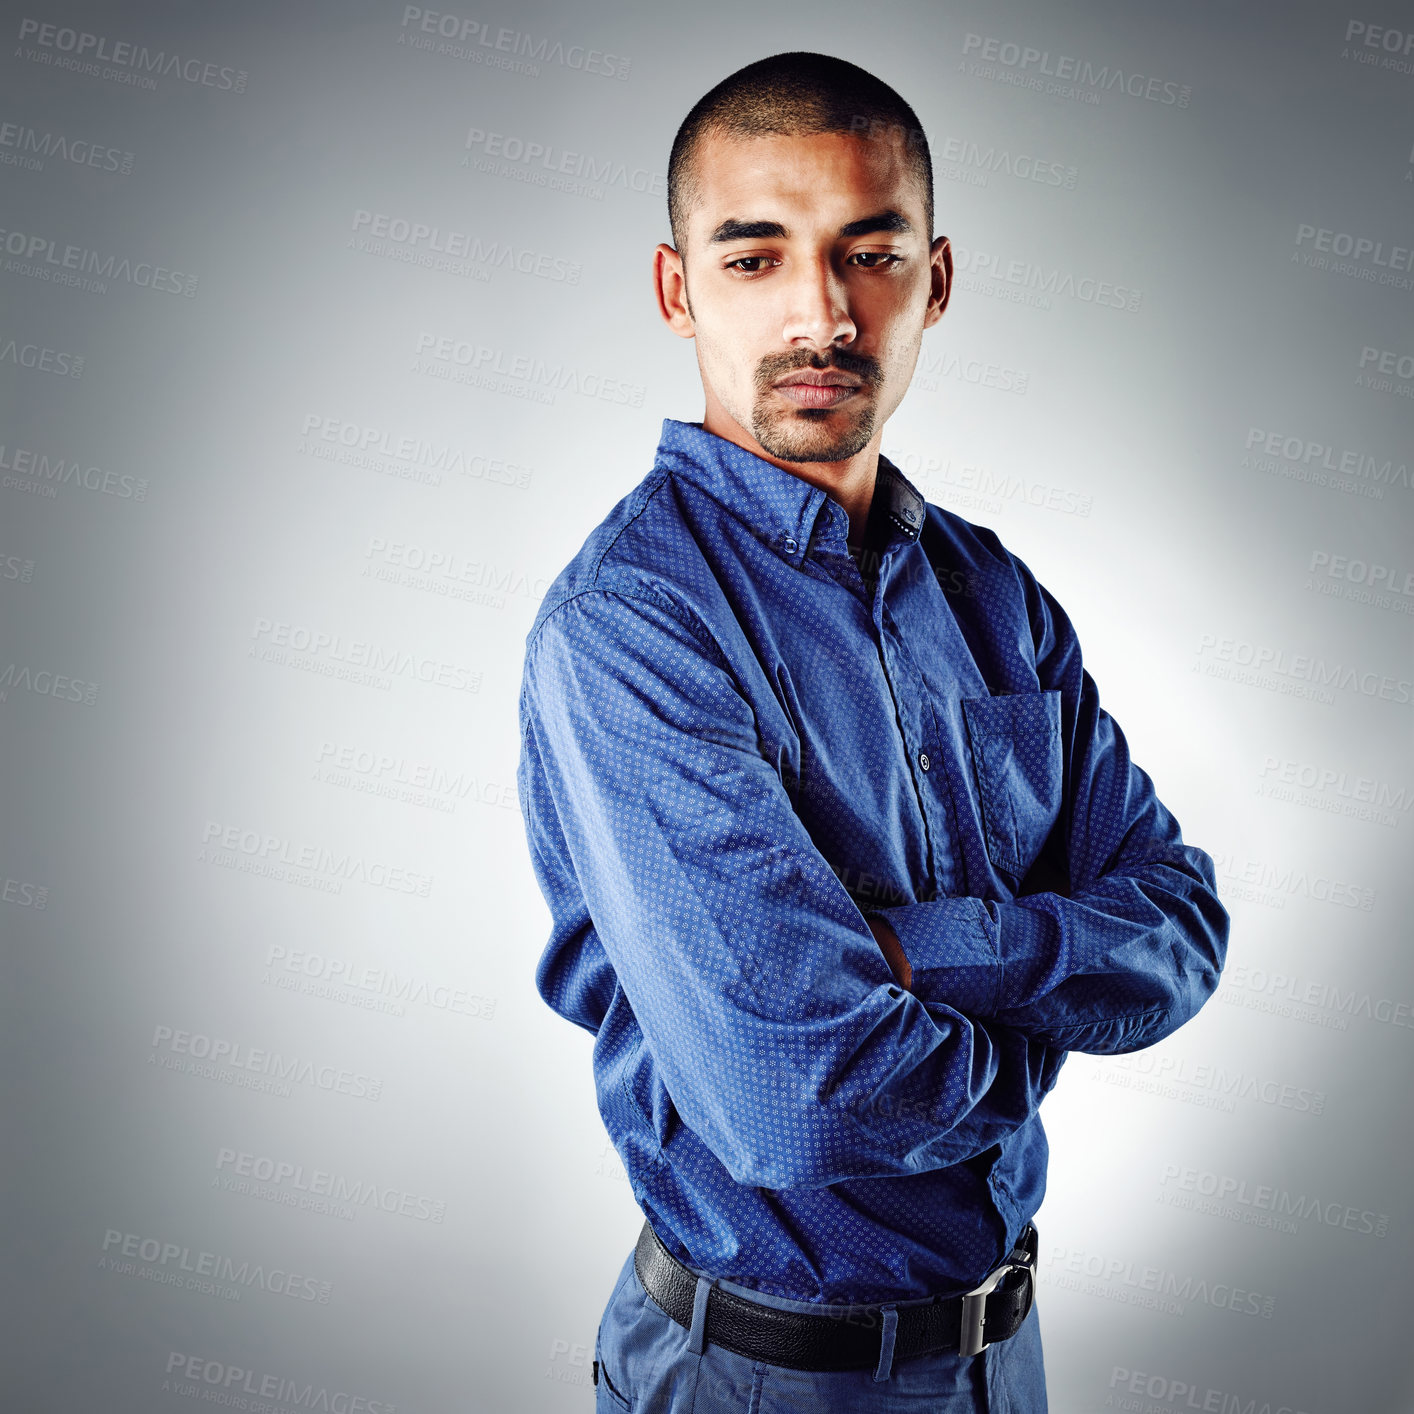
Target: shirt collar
[(904, 506), (780, 507)]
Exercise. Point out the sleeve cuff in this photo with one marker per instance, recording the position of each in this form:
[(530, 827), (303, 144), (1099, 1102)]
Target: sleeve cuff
[(951, 944)]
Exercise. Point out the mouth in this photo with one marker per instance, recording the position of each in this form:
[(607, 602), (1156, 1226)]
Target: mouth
[(817, 390)]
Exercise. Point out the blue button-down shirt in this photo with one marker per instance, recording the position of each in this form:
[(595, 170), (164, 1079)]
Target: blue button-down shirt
[(733, 750)]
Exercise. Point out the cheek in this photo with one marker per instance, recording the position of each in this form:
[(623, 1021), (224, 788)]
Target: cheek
[(884, 321), (903, 352), (709, 353), (722, 349), (903, 339)]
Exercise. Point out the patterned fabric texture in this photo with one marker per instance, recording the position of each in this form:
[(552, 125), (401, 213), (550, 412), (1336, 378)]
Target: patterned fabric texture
[(732, 751)]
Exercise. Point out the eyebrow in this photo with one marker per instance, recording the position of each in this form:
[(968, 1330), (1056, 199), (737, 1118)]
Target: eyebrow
[(733, 230)]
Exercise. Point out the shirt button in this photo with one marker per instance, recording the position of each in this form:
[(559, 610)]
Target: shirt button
[(790, 545), (923, 760)]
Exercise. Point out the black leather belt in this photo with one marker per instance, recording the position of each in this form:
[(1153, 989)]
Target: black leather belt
[(847, 1340)]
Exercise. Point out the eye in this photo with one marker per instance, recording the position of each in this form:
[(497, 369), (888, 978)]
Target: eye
[(745, 260), (876, 259)]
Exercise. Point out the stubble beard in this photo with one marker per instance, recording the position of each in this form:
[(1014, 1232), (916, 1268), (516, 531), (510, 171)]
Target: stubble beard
[(795, 434), (799, 434)]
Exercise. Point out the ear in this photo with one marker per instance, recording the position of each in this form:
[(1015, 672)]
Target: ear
[(940, 255), (670, 290)]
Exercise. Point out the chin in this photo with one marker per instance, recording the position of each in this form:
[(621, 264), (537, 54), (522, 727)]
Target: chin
[(806, 436)]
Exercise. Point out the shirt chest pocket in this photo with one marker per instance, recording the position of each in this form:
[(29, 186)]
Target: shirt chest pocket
[(1016, 758)]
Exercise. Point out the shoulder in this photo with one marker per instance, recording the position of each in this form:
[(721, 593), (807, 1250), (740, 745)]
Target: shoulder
[(950, 540), (641, 553), (993, 592), (628, 574)]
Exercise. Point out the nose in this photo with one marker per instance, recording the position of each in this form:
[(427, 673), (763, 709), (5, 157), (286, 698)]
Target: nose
[(817, 310)]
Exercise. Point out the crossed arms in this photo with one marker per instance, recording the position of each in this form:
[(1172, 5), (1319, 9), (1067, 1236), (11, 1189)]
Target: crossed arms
[(763, 992)]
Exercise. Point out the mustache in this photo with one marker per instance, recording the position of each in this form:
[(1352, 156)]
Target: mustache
[(774, 366)]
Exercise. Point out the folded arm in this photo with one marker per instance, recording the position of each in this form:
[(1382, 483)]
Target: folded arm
[(769, 1009), (1131, 944)]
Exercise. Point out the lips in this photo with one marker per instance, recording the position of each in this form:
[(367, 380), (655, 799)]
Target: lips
[(817, 390)]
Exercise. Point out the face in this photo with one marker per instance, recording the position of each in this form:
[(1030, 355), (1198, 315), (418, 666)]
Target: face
[(811, 280)]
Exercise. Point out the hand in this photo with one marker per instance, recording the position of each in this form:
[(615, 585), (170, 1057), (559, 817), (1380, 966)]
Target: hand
[(893, 951)]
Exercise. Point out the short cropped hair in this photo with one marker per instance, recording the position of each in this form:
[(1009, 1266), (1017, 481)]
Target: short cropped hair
[(792, 95)]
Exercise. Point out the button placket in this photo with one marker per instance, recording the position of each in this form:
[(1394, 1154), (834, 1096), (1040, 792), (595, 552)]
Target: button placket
[(921, 727), (907, 690)]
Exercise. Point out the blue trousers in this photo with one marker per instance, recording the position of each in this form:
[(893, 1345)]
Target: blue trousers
[(648, 1365)]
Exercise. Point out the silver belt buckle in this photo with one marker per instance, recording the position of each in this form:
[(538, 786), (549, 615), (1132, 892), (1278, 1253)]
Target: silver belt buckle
[(974, 1303)]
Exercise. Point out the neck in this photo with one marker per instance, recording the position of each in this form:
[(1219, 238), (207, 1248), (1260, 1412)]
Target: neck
[(850, 482)]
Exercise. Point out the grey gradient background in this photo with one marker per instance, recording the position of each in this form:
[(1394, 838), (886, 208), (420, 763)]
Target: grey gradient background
[(180, 518)]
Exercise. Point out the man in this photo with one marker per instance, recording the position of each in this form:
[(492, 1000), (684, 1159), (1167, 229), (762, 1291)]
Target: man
[(842, 852)]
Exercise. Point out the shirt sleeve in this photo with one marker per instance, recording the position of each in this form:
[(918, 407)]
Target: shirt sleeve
[(1131, 940), (768, 1009)]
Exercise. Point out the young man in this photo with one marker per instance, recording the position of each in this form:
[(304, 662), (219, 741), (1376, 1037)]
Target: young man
[(842, 853)]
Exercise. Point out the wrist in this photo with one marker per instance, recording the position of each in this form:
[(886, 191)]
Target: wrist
[(892, 950)]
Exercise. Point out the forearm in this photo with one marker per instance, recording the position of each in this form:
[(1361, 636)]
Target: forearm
[(762, 998), (882, 1117), (1110, 969)]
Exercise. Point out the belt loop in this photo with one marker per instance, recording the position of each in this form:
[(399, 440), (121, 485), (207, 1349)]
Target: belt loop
[(696, 1336), (886, 1343)]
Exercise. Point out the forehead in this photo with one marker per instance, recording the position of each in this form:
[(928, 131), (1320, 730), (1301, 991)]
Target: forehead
[(805, 181)]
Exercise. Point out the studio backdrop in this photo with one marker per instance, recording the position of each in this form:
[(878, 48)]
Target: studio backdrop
[(326, 335)]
